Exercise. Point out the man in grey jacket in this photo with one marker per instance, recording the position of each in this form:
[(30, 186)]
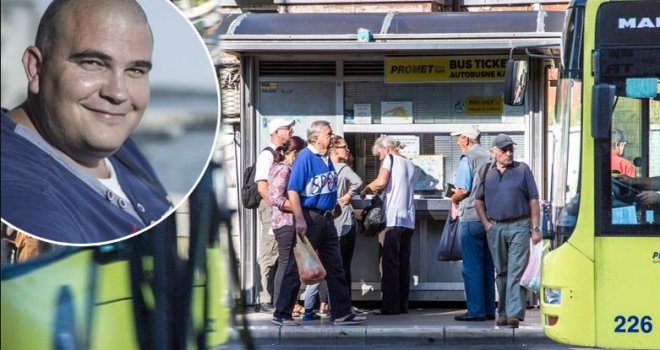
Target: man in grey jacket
[(478, 270)]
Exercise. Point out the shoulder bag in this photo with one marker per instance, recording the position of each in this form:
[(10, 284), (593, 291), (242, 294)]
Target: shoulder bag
[(373, 216)]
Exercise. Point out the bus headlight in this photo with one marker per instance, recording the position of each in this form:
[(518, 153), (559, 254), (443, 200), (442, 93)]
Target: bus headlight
[(552, 296)]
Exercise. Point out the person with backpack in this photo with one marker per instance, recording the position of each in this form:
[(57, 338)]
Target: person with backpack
[(280, 131), (478, 269)]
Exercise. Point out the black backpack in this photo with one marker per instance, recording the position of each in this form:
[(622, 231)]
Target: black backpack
[(249, 192)]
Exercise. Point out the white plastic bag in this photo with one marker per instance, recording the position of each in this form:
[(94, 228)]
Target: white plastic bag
[(310, 269), (531, 277)]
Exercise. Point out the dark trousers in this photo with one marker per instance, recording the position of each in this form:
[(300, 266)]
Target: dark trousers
[(287, 272), (394, 252), (347, 246), (322, 234)]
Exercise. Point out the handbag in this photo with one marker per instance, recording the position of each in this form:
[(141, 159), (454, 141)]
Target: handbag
[(310, 268), (449, 248), (531, 277), (373, 215)]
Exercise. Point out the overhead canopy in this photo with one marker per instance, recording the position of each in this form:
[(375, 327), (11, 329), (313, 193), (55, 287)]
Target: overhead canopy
[(392, 32)]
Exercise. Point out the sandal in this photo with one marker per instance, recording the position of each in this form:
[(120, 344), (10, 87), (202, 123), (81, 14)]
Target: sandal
[(351, 320), (297, 310), (324, 309)]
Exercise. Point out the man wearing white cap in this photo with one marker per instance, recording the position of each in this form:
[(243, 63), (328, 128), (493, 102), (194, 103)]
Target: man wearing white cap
[(279, 130), (478, 270)]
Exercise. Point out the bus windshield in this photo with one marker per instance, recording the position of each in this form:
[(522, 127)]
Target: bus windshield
[(634, 162), (625, 59)]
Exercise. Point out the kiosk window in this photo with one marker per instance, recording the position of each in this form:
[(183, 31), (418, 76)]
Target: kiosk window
[(475, 103)]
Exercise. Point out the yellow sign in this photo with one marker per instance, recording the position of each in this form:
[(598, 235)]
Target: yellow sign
[(484, 105), (445, 69), (269, 87)]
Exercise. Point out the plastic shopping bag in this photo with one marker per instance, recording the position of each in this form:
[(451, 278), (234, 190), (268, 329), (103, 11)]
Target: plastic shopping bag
[(531, 277), (310, 269)]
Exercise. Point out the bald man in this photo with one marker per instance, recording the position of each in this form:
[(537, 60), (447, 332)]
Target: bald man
[(70, 172)]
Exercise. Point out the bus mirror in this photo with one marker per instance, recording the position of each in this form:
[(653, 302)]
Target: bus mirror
[(515, 82), (601, 110)]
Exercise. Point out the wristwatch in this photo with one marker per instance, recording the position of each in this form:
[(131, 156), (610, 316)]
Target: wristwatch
[(536, 229)]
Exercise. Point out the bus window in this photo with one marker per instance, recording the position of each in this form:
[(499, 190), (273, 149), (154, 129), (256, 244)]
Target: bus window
[(634, 162)]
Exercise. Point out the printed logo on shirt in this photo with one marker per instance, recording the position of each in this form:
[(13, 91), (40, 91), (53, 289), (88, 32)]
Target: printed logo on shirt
[(321, 184)]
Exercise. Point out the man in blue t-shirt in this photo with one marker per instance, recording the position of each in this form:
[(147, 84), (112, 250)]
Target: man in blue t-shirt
[(313, 194)]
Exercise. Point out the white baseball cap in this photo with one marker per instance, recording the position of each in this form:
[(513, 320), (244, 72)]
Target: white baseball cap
[(279, 123), (471, 131)]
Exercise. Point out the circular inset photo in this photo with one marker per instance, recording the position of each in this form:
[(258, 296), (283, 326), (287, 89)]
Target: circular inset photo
[(109, 116)]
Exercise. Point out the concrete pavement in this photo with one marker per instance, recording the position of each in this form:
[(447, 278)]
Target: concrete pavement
[(422, 326)]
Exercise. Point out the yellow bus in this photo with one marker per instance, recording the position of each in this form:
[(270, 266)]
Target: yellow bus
[(601, 287)]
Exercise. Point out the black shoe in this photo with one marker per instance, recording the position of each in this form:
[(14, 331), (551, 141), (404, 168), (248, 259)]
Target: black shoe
[(466, 317), (267, 308), (490, 317)]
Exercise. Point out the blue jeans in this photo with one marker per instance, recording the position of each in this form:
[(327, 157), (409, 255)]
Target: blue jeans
[(478, 270)]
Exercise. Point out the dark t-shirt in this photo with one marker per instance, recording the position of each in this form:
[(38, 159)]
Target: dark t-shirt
[(507, 194), (49, 197)]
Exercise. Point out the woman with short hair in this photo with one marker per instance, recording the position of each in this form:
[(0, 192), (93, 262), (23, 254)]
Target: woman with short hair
[(395, 180)]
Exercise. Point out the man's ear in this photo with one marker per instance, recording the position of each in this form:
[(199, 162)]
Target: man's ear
[(33, 65)]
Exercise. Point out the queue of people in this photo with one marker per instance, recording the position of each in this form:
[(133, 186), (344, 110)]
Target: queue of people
[(308, 191)]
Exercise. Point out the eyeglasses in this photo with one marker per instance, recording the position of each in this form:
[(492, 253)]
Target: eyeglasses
[(344, 146)]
